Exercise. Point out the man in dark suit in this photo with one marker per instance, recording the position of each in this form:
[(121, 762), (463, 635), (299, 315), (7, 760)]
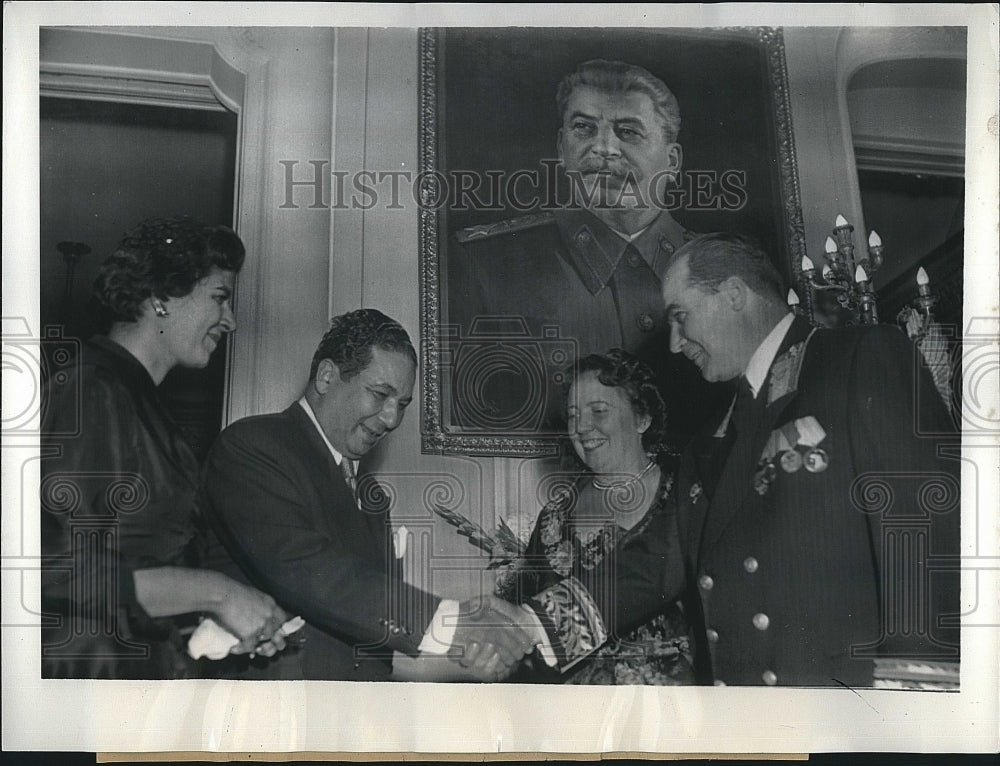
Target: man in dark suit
[(281, 493), (820, 514), (527, 294)]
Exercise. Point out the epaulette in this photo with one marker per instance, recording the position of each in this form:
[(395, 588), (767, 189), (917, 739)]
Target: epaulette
[(488, 230)]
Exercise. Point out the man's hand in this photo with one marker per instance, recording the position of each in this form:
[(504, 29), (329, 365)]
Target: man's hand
[(492, 638)]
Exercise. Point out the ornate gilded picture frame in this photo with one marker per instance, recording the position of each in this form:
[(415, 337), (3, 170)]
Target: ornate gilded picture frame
[(488, 167)]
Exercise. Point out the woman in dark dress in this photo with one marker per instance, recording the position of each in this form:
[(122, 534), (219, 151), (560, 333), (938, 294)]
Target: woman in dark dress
[(607, 540), (118, 479)]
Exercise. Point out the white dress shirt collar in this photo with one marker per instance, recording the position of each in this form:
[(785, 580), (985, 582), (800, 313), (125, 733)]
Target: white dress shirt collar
[(762, 358), (440, 633), (333, 450)]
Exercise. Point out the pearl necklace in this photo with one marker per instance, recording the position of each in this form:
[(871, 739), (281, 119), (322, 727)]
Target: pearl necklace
[(626, 482)]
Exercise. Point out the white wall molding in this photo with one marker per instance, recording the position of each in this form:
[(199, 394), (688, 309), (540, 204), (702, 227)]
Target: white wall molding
[(896, 155), (109, 66), (349, 143), (858, 47), (922, 142), (279, 81)]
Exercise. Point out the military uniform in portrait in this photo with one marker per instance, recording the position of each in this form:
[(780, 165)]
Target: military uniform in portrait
[(535, 292)]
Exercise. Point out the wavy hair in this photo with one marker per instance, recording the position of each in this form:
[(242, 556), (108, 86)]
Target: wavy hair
[(161, 258), (352, 336), (620, 369)]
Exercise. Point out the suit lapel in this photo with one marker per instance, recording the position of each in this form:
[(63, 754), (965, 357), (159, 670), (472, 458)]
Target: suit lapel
[(708, 453), (340, 513), (335, 495), (374, 501), (736, 482)]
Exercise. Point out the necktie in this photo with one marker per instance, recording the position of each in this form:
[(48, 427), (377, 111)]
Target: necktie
[(348, 468), (746, 418), (745, 410)]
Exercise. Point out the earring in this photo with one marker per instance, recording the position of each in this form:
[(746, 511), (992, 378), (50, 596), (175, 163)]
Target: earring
[(159, 309)]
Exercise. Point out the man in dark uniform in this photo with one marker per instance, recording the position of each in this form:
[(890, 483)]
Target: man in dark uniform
[(819, 514), (535, 292)]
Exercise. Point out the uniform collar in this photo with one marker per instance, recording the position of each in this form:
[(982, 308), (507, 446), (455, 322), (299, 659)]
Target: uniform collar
[(762, 358), (595, 249)]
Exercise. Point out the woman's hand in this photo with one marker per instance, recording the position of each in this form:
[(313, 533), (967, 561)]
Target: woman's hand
[(254, 618), (250, 615)]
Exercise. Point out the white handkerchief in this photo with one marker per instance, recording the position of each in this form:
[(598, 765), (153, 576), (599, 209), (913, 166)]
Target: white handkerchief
[(215, 642)]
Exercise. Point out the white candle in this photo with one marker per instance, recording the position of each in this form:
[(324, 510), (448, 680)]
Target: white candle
[(841, 221), (793, 298), (874, 240), (831, 245), (807, 264), (860, 275), (923, 282)]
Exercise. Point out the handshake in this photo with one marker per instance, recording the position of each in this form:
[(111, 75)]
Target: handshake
[(492, 637)]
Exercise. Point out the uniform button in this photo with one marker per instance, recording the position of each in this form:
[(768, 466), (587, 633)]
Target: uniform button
[(705, 582), (713, 635), (357, 666), (770, 677), (718, 682), (634, 259), (583, 236), (394, 630), (645, 322), (665, 246), (761, 621), (750, 564)]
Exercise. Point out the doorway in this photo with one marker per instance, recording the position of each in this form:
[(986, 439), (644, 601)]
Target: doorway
[(106, 166)]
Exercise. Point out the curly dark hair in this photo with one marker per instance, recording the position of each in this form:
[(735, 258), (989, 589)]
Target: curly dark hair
[(352, 336), (620, 369), (163, 258)]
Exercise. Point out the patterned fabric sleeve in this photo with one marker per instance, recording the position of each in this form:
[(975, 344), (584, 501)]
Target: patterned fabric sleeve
[(572, 621), (591, 583)]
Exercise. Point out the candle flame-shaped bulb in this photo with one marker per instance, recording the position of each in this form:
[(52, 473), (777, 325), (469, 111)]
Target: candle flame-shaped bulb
[(807, 264), (922, 278), (841, 221), (826, 270), (831, 245), (793, 298), (874, 240), (860, 275)]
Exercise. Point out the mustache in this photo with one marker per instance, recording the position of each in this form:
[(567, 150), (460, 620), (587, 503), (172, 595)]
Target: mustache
[(598, 174), (616, 168)]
